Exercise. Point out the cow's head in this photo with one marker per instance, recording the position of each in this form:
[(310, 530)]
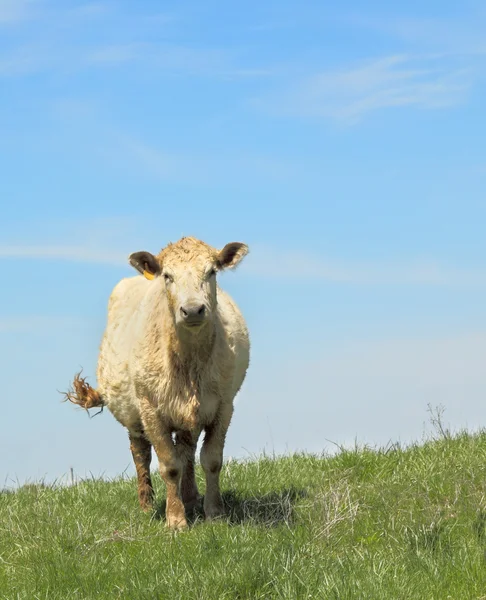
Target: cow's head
[(187, 271)]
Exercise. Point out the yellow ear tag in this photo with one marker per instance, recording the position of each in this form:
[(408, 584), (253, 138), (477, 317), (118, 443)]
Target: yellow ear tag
[(148, 275)]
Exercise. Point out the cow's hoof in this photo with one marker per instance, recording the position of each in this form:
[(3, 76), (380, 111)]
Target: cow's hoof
[(146, 499), (214, 511), (176, 523)]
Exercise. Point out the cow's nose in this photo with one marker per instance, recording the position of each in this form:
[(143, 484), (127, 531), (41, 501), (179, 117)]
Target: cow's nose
[(193, 314)]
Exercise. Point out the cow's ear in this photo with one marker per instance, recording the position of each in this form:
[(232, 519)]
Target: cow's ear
[(145, 263), (231, 255)]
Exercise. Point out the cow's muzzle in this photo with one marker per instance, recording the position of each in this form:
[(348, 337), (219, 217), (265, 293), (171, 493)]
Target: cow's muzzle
[(193, 315)]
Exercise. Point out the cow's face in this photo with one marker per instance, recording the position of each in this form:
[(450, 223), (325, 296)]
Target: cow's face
[(187, 271)]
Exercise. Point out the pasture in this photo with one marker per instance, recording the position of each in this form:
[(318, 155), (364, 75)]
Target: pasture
[(394, 523)]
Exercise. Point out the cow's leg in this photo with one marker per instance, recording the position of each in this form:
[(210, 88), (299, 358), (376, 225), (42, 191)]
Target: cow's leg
[(170, 465), (186, 443), (142, 455), (212, 460)]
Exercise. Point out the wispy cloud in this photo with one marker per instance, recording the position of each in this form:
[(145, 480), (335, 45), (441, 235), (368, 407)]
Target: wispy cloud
[(89, 10), (173, 58), (48, 48), (124, 151), (25, 60), (298, 267), (156, 58), (12, 11), (347, 95), (84, 254), (39, 323), (463, 35), (100, 241), (115, 54), (262, 261)]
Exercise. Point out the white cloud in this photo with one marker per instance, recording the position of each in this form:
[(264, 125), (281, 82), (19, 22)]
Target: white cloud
[(348, 94)]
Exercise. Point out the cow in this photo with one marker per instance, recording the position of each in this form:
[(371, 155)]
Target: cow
[(174, 354)]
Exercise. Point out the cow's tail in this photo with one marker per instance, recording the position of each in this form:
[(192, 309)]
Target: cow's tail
[(82, 394)]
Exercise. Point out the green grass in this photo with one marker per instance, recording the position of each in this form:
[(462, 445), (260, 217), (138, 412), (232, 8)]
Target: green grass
[(392, 523)]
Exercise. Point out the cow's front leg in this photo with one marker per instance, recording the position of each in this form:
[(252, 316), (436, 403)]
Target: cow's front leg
[(142, 455), (212, 460), (186, 443), (170, 465)]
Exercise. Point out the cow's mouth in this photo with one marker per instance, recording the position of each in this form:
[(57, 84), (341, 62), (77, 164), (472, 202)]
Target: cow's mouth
[(194, 327)]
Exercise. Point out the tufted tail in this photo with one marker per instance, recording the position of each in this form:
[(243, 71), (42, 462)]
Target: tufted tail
[(83, 394)]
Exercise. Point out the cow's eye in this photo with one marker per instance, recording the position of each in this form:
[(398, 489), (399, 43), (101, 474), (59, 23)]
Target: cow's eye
[(168, 278), (211, 273)]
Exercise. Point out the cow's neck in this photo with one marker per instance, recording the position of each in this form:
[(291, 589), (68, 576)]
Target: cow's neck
[(193, 351), (195, 346)]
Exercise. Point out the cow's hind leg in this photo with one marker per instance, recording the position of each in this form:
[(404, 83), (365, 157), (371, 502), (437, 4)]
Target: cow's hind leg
[(212, 461), (186, 444), (142, 455)]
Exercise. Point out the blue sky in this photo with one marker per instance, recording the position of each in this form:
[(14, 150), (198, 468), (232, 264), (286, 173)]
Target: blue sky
[(344, 144)]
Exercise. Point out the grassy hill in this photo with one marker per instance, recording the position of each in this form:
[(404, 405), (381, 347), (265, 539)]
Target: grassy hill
[(393, 523)]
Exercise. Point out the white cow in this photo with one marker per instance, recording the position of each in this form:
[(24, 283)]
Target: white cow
[(173, 357)]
